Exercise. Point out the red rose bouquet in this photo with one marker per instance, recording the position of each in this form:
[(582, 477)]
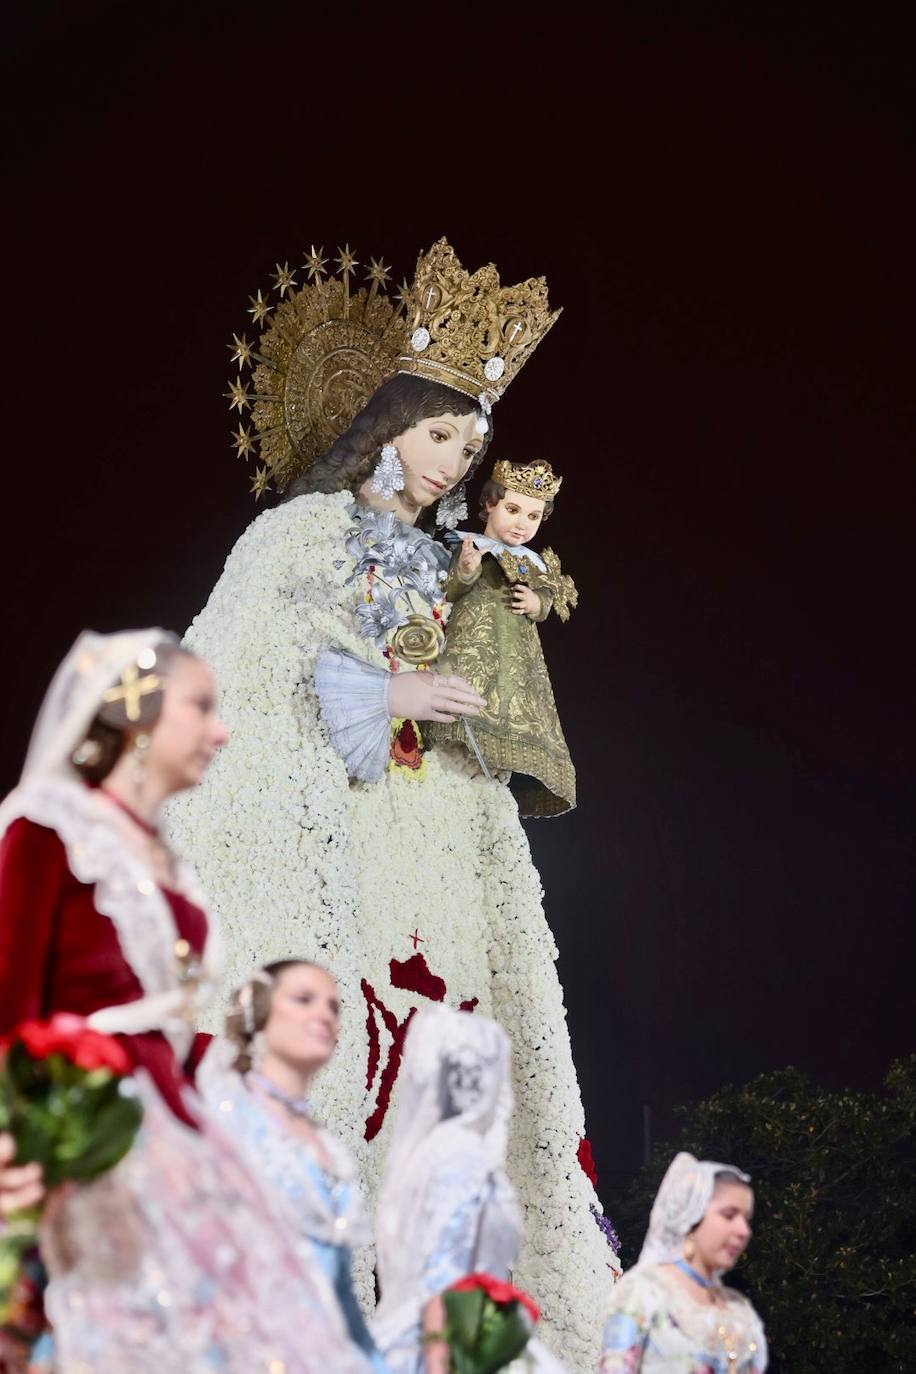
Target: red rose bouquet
[(487, 1324), (68, 1101)]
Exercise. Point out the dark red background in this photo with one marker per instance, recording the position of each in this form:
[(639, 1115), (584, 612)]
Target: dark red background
[(719, 202)]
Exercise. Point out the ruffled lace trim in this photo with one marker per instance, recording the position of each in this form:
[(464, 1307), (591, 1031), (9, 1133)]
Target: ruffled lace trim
[(353, 699), (125, 892)]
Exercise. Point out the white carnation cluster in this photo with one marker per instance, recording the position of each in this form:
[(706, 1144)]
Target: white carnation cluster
[(299, 861)]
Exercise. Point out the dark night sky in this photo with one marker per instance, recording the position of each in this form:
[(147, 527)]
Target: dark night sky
[(720, 205)]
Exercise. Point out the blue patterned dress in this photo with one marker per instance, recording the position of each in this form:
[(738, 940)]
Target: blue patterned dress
[(324, 1205)]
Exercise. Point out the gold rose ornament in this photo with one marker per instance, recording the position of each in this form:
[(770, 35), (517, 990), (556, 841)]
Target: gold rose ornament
[(419, 640)]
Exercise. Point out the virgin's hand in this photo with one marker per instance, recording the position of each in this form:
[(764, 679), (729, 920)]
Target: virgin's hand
[(469, 558), (20, 1186), (430, 696)]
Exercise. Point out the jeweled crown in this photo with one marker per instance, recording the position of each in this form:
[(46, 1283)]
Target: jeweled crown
[(469, 332), (537, 480)]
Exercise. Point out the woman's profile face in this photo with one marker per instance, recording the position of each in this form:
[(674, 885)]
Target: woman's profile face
[(435, 455), (304, 1017), (725, 1231), (188, 732)]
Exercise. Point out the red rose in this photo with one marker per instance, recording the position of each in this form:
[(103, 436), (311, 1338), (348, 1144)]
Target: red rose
[(587, 1161), (406, 748), (68, 1035), (498, 1291)]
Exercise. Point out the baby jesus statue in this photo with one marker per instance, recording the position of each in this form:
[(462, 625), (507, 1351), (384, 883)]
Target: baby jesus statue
[(500, 589)]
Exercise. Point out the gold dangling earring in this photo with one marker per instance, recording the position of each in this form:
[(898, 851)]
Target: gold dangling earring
[(689, 1250), (139, 751)]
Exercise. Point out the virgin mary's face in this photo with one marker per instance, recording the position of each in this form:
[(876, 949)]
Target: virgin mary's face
[(435, 455)]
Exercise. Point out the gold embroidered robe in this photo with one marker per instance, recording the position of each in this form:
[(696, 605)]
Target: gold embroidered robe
[(499, 653)]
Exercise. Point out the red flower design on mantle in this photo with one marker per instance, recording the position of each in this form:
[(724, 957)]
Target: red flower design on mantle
[(411, 975), (587, 1161)]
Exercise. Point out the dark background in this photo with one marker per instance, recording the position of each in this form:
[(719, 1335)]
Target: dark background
[(719, 203)]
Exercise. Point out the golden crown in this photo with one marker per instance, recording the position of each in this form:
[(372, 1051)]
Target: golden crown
[(536, 479), (327, 344), (468, 331)]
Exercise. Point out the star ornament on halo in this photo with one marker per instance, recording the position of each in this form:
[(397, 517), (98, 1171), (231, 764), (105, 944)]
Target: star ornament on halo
[(315, 264), (284, 278), (378, 273), (240, 349), (346, 263), (243, 441), (259, 309), (238, 396), (260, 483)]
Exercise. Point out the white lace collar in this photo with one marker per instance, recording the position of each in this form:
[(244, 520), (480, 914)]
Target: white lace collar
[(125, 892), (497, 548)]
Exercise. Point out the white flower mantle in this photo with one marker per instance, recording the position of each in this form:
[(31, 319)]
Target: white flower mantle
[(299, 862)]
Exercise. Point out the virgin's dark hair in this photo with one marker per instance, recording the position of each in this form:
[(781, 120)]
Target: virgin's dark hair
[(399, 404), (110, 730)]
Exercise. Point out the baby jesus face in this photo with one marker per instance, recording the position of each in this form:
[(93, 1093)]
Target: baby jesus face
[(514, 519)]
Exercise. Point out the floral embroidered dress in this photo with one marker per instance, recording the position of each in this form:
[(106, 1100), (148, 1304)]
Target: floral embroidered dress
[(175, 1261), (325, 831), (655, 1327), (324, 1205)]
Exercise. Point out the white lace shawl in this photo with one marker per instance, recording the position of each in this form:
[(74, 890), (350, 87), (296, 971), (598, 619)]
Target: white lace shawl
[(281, 1159), (125, 892)]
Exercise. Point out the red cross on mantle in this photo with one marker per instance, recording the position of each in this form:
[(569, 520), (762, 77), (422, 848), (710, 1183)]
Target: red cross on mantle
[(417, 938)]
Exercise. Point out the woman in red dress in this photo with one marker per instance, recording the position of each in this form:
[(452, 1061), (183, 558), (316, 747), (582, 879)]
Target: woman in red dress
[(175, 1260)]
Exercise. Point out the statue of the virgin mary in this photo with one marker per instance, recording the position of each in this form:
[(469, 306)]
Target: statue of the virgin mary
[(326, 830)]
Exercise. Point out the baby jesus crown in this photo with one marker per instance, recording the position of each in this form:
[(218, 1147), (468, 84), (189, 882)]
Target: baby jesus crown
[(536, 479), (469, 332)]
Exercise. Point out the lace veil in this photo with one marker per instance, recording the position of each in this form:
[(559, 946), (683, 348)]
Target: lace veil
[(95, 662), (684, 1195), (51, 794), (431, 1140)]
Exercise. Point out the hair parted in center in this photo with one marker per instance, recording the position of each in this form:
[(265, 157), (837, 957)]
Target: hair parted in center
[(398, 404)]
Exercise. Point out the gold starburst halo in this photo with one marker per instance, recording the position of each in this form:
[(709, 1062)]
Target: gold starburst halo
[(326, 346), (323, 350)]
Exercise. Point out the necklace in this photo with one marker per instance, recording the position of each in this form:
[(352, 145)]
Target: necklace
[(691, 1273), (150, 830), (296, 1106)]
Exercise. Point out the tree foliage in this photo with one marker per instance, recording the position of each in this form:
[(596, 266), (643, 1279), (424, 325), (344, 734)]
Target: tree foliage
[(832, 1266)]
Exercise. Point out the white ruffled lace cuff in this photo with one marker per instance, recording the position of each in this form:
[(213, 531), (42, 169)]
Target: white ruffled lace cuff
[(353, 696)]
